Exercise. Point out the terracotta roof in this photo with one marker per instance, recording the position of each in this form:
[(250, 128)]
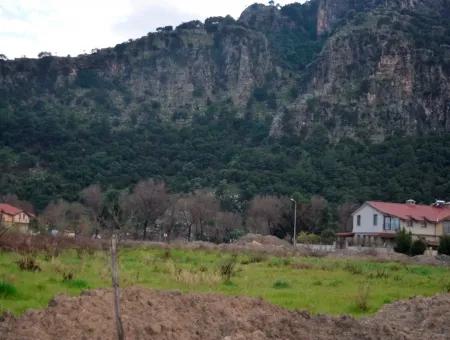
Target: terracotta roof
[(9, 209), (416, 212)]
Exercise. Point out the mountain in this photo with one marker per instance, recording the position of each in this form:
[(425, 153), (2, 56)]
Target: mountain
[(297, 90)]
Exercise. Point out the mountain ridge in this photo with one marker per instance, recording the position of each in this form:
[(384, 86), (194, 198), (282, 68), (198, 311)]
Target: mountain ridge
[(275, 100)]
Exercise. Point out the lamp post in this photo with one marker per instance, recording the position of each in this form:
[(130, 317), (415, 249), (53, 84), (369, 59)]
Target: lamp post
[(295, 222)]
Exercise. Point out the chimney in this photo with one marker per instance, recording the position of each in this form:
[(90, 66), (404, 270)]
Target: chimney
[(411, 202), (439, 203)]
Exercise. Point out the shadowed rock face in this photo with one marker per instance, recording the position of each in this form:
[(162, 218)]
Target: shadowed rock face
[(367, 69)]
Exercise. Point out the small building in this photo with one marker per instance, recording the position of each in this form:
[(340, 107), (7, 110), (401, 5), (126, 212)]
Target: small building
[(13, 217), (376, 223)]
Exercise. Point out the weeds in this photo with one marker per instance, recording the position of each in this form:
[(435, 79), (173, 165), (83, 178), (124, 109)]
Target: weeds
[(379, 274), (76, 284), (280, 284), (353, 268), (254, 258), (67, 276), (7, 290), (27, 263), (166, 255), (446, 287), (227, 269), (301, 266), (362, 298)]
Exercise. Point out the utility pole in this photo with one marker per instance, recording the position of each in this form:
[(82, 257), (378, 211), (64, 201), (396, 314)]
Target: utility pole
[(295, 223)]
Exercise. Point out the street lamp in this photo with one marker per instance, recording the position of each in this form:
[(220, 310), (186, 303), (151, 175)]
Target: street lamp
[(295, 222)]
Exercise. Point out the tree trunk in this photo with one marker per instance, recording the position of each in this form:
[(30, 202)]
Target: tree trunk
[(116, 289), (145, 231)]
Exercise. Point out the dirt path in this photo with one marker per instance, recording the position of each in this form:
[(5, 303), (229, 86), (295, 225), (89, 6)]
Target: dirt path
[(149, 314)]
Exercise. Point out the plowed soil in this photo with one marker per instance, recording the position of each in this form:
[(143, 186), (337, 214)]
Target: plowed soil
[(149, 314)]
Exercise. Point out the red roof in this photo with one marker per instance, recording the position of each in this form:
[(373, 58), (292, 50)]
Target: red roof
[(9, 209), (416, 212)]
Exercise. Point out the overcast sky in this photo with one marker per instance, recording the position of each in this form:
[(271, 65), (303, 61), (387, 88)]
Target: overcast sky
[(63, 27)]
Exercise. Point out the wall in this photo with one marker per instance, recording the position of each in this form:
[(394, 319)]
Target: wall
[(367, 225), (21, 218)]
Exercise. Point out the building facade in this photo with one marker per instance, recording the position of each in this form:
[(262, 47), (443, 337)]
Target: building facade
[(13, 217), (376, 223)]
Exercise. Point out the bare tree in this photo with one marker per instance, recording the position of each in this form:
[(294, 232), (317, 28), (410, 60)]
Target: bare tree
[(150, 199), (265, 213), (62, 216), (344, 213), (93, 199), (203, 206), (225, 223)]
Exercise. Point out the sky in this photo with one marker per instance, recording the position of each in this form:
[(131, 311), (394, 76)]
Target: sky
[(64, 27)]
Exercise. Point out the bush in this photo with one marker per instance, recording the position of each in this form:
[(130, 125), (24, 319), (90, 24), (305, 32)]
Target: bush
[(403, 242), (328, 236), (280, 284), (308, 238), (7, 290), (27, 263), (228, 268), (444, 245), (418, 247)]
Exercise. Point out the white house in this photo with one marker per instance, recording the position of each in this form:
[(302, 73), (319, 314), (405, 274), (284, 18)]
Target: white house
[(376, 223)]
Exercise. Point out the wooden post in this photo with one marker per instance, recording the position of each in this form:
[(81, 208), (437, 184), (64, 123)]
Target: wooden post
[(116, 289)]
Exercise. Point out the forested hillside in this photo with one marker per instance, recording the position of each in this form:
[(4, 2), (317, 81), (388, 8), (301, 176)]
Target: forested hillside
[(347, 101)]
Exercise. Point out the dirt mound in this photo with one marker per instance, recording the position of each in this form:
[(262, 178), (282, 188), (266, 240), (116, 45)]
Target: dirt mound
[(150, 314), (263, 240)]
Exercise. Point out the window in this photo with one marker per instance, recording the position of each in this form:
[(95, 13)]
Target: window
[(358, 220), (424, 224), (387, 223), (375, 219), (409, 223), (395, 223), (447, 228)]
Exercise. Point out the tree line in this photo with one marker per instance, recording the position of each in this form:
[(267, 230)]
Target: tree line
[(150, 211)]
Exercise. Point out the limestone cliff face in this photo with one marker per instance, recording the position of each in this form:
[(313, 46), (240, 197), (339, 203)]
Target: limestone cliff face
[(361, 69), (170, 73), (378, 74)]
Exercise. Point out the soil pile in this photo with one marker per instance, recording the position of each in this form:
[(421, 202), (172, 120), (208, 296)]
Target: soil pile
[(267, 240), (156, 315)]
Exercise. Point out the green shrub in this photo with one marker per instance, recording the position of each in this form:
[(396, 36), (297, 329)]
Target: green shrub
[(444, 245), (328, 236), (308, 238), (7, 290), (403, 242), (280, 284), (418, 247)]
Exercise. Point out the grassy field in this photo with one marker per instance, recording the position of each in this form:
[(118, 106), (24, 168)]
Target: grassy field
[(319, 285)]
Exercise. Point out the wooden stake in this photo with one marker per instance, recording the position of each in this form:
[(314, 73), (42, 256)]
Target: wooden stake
[(116, 289)]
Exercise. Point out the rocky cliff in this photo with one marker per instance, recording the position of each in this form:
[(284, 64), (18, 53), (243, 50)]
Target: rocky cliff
[(360, 69)]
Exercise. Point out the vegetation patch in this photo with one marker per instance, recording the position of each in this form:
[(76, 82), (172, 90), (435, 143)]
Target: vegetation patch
[(7, 290), (317, 284), (281, 284)]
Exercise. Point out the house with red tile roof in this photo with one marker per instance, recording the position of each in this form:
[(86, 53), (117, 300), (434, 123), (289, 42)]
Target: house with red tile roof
[(11, 216), (376, 223)]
